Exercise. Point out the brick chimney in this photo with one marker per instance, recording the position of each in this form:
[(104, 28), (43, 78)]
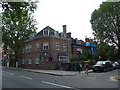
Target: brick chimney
[(64, 29)]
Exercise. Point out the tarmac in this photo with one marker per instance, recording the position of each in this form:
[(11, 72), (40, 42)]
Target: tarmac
[(51, 72)]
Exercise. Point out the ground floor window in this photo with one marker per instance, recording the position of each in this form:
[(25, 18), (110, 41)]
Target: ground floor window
[(23, 61), (37, 61), (64, 59), (29, 61)]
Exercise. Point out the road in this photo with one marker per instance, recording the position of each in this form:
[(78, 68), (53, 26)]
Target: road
[(12, 78)]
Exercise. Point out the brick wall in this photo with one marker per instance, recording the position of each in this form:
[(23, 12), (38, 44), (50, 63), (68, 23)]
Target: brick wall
[(52, 50)]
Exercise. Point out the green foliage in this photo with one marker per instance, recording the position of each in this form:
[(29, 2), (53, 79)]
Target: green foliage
[(85, 55), (74, 58), (106, 51), (18, 24), (105, 23)]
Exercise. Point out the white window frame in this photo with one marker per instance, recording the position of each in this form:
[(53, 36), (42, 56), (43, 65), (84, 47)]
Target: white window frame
[(64, 47), (27, 49), (30, 48), (37, 61), (23, 61), (57, 46), (79, 49), (29, 61), (63, 58), (44, 32), (45, 44), (37, 46)]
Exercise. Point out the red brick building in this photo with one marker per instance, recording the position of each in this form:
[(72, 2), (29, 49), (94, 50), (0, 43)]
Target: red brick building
[(77, 46), (47, 49)]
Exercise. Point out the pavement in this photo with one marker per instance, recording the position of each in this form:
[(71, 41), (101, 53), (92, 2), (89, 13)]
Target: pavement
[(115, 78), (51, 72)]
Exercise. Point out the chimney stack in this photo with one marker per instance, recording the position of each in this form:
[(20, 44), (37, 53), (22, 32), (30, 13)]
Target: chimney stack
[(87, 39), (64, 29)]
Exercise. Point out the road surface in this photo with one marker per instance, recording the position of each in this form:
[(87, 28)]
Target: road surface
[(12, 78)]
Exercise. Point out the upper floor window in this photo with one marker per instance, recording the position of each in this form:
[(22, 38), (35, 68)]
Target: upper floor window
[(64, 47), (45, 46), (27, 48), (37, 46), (80, 50), (57, 46), (46, 32), (23, 50), (30, 48)]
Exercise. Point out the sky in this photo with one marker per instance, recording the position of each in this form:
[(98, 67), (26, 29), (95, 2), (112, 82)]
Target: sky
[(76, 14)]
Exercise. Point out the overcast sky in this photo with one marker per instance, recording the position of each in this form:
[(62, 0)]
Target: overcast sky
[(76, 14)]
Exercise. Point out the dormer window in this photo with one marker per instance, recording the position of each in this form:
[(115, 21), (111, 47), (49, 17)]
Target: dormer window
[(46, 32)]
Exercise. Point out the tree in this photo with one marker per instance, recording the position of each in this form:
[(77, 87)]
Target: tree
[(74, 58), (105, 24), (85, 55), (105, 51), (18, 23)]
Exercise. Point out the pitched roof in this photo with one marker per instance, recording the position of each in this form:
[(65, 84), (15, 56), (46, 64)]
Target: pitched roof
[(46, 28)]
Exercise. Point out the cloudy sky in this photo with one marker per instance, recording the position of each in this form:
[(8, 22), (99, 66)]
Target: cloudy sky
[(76, 14)]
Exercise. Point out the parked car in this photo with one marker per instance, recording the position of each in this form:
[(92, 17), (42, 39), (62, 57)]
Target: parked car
[(102, 66), (118, 61), (115, 65)]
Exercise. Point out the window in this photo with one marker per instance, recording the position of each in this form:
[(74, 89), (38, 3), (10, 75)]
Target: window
[(79, 49), (26, 49), (64, 47), (63, 59), (29, 61), (57, 46), (46, 32), (37, 46), (37, 61), (23, 50), (23, 61), (45, 46), (30, 48)]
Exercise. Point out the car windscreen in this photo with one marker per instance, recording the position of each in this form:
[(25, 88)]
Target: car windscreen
[(100, 63)]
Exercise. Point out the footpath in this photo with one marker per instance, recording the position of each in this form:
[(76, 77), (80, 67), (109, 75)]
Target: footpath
[(51, 72)]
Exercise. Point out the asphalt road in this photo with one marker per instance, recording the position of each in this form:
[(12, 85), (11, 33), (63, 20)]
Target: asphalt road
[(23, 79)]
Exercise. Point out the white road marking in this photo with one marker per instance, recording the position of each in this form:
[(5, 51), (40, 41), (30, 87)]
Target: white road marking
[(10, 73), (26, 77), (56, 84)]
